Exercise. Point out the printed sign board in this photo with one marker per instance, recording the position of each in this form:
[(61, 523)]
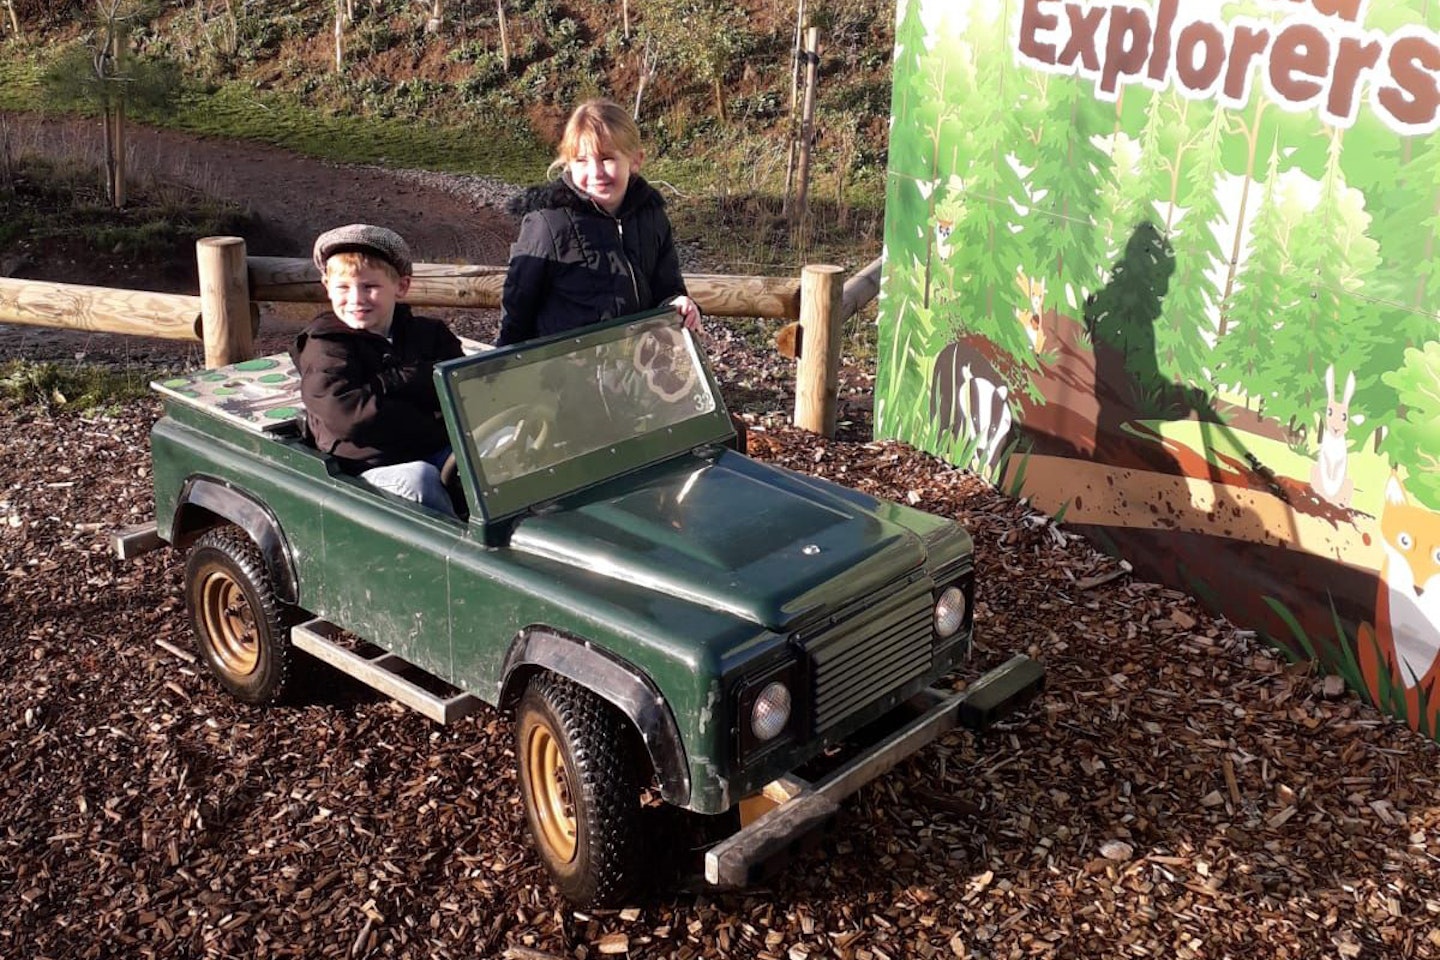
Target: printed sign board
[(1170, 270)]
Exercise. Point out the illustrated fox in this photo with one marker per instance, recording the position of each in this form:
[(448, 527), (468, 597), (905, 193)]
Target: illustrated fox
[(1031, 317), (1406, 635)]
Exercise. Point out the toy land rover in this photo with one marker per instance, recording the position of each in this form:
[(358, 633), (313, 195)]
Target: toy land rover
[(654, 608)]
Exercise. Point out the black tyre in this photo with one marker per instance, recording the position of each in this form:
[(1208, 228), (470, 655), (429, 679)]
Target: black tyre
[(579, 785), (238, 621)]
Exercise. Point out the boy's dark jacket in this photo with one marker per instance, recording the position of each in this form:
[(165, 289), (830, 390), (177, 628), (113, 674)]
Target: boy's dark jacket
[(370, 401), (574, 264)]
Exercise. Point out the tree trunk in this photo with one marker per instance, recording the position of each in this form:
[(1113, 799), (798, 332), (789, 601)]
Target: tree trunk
[(648, 63), (437, 16), (504, 36), (625, 18), (114, 119)]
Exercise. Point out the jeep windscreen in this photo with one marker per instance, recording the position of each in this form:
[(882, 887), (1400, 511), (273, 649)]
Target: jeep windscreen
[(544, 418)]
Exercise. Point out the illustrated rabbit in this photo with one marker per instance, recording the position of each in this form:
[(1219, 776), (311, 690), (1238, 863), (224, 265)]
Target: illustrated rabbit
[(1329, 477)]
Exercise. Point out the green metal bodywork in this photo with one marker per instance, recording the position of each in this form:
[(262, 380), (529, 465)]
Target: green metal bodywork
[(696, 569)]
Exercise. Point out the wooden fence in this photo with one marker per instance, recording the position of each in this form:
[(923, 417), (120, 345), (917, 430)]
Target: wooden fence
[(225, 316)]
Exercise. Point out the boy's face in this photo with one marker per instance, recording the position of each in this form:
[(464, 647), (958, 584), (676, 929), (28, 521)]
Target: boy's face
[(603, 173), (364, 297)]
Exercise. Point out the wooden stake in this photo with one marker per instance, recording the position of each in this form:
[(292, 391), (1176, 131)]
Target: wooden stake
[(504, 36), (14, 21), (794, 131), (817, 384), (117, 185), (224, 300), (339, 36), (807, 123)]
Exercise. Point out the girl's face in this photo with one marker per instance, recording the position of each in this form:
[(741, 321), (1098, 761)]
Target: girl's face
[(603, 173)]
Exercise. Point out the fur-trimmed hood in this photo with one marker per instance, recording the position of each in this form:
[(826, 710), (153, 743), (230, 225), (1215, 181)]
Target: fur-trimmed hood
[(561, 194)]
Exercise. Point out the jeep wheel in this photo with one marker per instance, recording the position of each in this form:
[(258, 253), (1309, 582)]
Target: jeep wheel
[(236, 616), (582, 799)]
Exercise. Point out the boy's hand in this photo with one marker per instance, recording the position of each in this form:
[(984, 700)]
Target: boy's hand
[(689, 312)]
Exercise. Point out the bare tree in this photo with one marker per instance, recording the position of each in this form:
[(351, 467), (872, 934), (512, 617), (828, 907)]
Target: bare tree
[(649, 63), (102, 75)]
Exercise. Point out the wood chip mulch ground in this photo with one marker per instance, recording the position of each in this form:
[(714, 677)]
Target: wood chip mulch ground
[(1180, 790)]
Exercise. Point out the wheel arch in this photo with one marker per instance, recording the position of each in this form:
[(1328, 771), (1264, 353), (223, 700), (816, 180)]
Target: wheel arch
[(623, 686), (206, 502)]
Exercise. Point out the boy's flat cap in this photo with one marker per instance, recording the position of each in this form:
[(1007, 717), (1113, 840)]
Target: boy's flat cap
[(384, 243)]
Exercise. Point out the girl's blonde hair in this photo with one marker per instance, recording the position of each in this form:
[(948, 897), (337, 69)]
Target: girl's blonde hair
[(598, 124)]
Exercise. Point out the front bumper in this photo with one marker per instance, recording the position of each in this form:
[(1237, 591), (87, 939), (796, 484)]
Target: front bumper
[(801, 805)]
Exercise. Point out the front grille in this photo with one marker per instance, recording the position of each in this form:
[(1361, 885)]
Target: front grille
[(872, 653)]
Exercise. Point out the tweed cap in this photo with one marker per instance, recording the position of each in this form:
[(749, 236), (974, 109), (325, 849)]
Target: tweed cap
[(383, 243)]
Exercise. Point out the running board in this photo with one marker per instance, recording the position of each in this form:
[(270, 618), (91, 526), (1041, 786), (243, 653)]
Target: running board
[(393, 676), (132, 542)]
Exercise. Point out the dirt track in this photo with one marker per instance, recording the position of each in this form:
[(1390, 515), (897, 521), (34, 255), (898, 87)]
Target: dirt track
[(291, 198)]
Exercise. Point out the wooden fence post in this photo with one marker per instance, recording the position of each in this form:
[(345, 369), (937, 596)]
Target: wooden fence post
[(817, 381), (224, 300)]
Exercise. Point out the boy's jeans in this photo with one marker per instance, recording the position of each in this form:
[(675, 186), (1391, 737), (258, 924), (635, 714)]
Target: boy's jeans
[(415, 480)]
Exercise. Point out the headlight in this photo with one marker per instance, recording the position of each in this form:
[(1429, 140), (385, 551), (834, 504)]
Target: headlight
[(770, 712), (949, 612)]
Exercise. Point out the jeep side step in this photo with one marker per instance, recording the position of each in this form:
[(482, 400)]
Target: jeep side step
[(393, 676), (800, 806), (132, 542)]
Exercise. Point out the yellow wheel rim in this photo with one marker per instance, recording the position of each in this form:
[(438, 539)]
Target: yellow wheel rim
[(230, 623), (550, 792)]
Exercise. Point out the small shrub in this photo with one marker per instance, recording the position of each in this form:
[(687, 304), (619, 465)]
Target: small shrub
[(74, 387)]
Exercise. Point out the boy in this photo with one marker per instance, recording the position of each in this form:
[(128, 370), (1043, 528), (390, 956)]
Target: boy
[(365, 367)]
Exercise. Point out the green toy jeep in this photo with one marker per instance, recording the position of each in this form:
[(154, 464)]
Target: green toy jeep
[(655, 609)]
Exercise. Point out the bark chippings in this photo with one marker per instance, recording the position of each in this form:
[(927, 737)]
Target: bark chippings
[(1178, 791)]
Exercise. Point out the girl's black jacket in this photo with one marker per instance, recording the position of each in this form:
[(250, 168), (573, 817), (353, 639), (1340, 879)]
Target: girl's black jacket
[(370, 401), (574, 264)]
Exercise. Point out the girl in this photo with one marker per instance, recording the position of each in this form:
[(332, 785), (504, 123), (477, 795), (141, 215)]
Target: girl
[(595, 243)]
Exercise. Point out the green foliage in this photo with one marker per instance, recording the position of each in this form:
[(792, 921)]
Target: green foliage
[(74, 387), (1414, 439), (493, 144), (704, 39), (72, 82)]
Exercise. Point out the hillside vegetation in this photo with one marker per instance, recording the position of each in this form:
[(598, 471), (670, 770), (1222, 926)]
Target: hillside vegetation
[(436, 85)]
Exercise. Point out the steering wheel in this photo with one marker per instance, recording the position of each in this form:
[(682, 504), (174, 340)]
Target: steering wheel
[(511, 435)]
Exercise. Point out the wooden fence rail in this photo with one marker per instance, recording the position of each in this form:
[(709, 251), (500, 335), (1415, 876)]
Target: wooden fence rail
[(99, 309), (232, 284), (291, 280)]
